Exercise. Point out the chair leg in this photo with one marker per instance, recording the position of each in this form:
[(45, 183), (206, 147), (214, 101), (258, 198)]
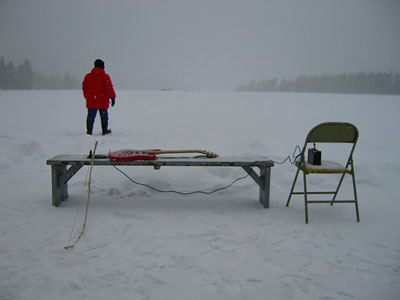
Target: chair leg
[(354, 191), (338, 187), (355, 196), (293, 185), (305, 197)]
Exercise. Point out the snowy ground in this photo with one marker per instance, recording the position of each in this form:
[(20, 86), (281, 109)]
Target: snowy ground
[(140, 244)]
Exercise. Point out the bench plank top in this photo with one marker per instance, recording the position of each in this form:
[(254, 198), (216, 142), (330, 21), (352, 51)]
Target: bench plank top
[(201, 161), (61, 174)]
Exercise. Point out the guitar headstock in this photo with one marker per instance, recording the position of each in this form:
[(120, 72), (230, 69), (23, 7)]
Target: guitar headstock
[(210, 154)]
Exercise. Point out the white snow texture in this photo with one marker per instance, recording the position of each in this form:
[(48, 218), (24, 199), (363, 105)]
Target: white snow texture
[(140, 244)]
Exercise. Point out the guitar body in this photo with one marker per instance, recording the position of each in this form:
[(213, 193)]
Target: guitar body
[(130, 155)]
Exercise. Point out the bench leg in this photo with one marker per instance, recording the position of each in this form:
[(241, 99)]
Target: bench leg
[(59, 188), (265, 176), (263, 181), (59, 181)]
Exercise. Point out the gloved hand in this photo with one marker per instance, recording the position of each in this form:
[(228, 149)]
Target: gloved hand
[(112, 102)]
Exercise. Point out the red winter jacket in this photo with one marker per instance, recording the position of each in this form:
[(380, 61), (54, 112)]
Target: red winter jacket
[(97, 89)]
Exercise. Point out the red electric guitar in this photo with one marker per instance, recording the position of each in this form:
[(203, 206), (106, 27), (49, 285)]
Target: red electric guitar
[(151, 154)]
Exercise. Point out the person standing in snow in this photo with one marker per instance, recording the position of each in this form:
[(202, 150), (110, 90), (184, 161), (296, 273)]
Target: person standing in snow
[(98, 89)]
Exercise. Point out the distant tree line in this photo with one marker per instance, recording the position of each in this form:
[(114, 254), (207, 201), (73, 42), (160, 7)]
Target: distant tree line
[(353, 83), (22, 77)]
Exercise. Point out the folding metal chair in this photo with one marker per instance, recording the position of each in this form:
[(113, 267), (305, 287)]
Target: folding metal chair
[(329, 132)]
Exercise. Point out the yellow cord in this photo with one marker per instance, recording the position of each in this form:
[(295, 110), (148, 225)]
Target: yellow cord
[(87, 203)]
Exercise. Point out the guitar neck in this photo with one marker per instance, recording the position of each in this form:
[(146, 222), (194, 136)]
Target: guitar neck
[(156, 152)]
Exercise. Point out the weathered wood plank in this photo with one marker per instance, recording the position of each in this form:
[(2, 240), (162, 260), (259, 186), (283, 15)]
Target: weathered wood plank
[(61, 174)]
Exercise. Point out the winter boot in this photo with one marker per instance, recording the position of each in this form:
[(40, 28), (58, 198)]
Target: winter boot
[(107, 131), (89, 127), (104, 127)]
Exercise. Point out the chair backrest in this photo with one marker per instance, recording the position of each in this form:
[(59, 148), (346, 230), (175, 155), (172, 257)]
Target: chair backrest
[(333, 132)]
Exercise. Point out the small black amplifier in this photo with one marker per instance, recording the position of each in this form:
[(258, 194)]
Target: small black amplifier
[(314, 156)]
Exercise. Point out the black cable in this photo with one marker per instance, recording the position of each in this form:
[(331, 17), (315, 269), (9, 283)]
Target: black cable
[(294, 157), (176, 192)]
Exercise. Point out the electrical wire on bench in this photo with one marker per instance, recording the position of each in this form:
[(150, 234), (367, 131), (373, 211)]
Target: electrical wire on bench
[(292, 159), (177, 192)]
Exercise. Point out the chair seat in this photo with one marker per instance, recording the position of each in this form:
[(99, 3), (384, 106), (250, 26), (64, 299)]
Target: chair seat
[(326, 166)]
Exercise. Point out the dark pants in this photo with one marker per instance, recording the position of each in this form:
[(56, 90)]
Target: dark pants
[(91, 116)]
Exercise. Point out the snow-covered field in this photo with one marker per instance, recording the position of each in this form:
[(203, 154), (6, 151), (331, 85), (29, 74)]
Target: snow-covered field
[(140, 244)]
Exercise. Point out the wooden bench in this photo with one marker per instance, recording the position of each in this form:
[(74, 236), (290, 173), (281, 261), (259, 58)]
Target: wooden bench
[(64, 167)]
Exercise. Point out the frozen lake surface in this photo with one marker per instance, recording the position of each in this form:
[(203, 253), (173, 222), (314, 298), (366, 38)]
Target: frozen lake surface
[(140, 244)]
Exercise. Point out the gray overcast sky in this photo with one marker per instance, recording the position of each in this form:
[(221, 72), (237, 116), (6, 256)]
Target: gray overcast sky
[(201, 44)]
